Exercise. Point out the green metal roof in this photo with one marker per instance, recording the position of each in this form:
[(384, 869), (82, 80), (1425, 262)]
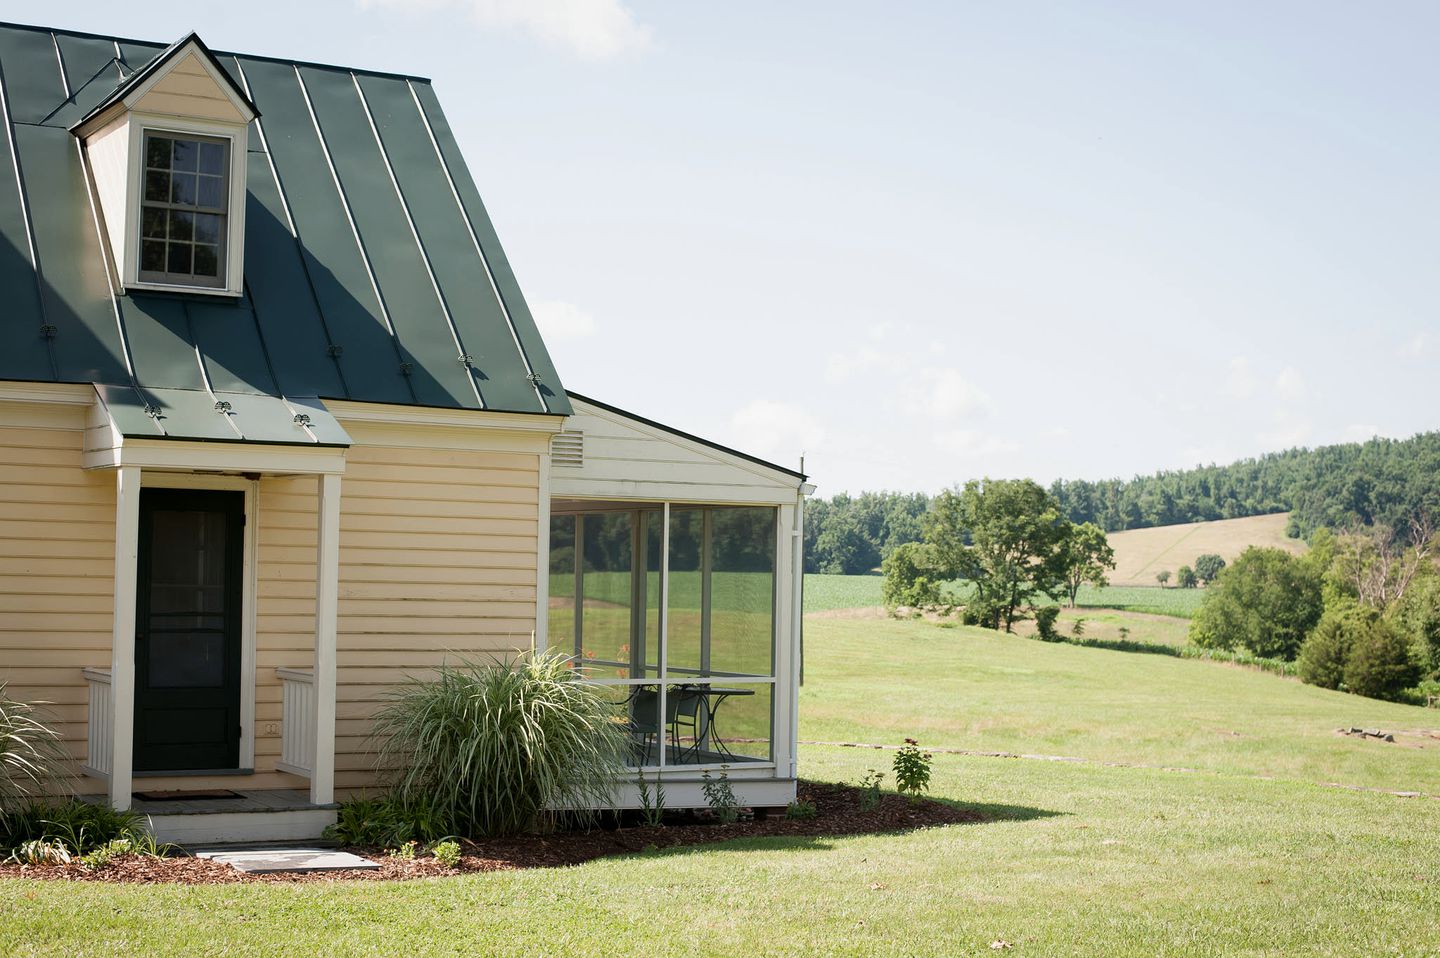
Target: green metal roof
[(372, 271)]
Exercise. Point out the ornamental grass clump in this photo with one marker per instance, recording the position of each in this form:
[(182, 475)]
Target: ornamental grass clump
[(32, 757), (489, 747)]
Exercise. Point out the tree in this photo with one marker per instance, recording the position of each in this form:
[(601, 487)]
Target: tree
[(1186, 578), (1377, 565), (1162, 577), (1085, 556), (1208, 566), (913, 579), (1380, 663), (1004, 536), (1267, 602)]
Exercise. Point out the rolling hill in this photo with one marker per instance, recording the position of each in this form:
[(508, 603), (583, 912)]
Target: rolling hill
[(1140, 553)]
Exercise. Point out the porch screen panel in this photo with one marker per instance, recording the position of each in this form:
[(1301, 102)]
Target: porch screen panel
[(607, 592), (685, 628), (561, 618), (742, 592)]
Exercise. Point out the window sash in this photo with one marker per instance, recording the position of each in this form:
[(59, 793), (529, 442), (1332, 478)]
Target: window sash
[(222, 212)]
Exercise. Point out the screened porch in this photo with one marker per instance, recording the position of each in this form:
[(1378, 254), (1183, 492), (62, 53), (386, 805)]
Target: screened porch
[(671, 609)]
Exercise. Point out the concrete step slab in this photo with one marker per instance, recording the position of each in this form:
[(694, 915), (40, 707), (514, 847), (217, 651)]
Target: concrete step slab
[(269, 861)]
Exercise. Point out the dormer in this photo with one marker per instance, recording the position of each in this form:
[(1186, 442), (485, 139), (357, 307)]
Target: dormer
[(167, 154)]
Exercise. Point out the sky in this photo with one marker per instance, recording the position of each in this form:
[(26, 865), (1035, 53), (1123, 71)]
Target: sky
[(919, 243)]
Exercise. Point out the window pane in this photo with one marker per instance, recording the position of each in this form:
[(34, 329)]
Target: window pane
[(182, 189), (178, 258), (605, 624), (157, 187), (152, 256), (561, 617), (212, 158), (207, 227), (687, 528), (154, 222), (742, 591), (182, 225), (212, 192), (718, 724), (186, 155), (207, 260), (187, 660), (157, 152)]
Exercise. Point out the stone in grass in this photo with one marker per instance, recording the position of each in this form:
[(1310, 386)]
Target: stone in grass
[(269, 861)]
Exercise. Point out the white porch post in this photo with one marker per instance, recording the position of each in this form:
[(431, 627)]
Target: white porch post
[(327, 589), (122, 639)]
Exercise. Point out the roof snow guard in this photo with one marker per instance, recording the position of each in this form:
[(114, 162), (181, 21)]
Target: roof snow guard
[(371, 269)]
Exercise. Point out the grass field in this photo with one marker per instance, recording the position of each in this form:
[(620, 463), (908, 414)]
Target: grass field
[(1250, 854), (824, 593), (1140, 553)]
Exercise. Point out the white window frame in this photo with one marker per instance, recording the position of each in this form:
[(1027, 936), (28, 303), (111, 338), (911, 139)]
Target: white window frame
[(238, 137)]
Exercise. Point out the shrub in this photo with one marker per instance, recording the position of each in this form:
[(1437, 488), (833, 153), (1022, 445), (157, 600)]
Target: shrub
[(1208, 566), (912, 769), (40, 851), (1417, 616), (447, 853), (1380, 663), (489, 747), (1186, 578), (912, 578), (31, 754), (102, 856), (801, 810), (870, 789), (720, 797), (1045, 623), (80, 826), (984, 613), (1266, 603), (1324, 654), (387, 823)]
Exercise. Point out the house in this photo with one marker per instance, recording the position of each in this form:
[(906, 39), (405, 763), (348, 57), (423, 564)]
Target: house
[(277, 431)]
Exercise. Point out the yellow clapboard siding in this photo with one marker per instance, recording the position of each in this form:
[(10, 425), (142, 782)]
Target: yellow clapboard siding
[(16, 530), (19, 437), (58, 605), (400, 574), (101, 514), (102, 494), (436, 491), (60, 474), (102, 567), (20, 584), (442, 475), (442, 458), (58, 549)]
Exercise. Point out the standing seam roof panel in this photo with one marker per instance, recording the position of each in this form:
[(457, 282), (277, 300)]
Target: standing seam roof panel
[(439, 221), (420, 324), (90, 71), (525, 328), (332, 260), (27, 353)]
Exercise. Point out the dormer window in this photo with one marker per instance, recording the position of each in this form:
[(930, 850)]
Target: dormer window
[(167, 156), (183, 210)]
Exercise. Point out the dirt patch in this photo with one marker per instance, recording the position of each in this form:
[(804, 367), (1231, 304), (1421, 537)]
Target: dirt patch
[(839, 811)]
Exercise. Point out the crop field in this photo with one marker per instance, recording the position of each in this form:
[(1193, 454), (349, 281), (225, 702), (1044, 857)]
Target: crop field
[(1141, 553)]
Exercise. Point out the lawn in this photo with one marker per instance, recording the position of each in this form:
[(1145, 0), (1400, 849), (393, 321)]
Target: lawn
[(830, 592), (1251, 854)]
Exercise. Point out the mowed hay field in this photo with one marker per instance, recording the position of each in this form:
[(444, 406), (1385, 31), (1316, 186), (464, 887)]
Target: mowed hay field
[(1141, 553)]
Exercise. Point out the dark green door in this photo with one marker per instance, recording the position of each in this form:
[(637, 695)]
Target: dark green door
[(187, 630)]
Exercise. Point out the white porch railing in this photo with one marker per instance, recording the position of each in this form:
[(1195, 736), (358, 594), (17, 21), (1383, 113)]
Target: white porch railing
[(297, 721), (99, 749)]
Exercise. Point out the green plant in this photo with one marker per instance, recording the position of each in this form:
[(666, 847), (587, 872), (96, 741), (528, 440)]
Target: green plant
[(31, 753), (1267, 602), (801, 810), (1045, 623), (1381, 664), (870, 789), (1323, 656), (912, 579), (912, 769), (386, 822), (447, 853), (720, 797), (40, 851), (1077, 628), (81, 826), (489, 747), (406, 851), (103, 855), (652, 804)]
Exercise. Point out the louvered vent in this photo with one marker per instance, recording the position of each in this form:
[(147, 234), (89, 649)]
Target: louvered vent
[(567, 449)]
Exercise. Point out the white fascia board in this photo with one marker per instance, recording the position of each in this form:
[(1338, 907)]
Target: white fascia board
[(237, 457), (428, 416)]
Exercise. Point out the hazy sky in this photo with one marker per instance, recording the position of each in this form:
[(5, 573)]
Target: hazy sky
[(923, 242)]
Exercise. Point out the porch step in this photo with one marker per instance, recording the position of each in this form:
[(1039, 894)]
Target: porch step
[(270, 861), (252, 816)]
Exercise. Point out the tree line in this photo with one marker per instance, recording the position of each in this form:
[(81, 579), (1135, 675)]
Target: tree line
[(1382, 482)]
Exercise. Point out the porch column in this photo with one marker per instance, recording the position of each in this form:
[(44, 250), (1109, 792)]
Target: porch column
[(327, 590), (122, 639)]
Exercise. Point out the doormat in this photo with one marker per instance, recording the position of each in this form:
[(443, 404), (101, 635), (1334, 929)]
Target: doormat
[(180, 795)]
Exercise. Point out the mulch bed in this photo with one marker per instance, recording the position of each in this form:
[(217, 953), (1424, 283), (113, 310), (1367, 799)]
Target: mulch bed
[(838, 807)]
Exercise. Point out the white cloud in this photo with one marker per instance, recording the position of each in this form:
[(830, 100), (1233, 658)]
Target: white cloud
[(1359, 432), (944, 393), (972, 444), (1240, 382), (775, 430), (562, 322), (1417, 347), (1290, 385), (593, 29), (839, 367)]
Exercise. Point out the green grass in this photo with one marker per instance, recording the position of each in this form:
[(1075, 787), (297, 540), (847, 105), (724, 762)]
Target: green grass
[(830, 592), (1249, 855)]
